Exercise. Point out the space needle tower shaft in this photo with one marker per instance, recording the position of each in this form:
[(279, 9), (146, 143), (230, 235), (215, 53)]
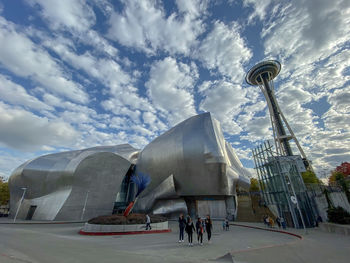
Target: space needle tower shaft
[(262, 75)]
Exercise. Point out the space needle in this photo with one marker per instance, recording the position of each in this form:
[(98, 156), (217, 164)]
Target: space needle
[(262, 75)]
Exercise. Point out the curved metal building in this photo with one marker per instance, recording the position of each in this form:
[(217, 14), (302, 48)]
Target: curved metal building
[(201, 167), (72, 185), (192, 170)]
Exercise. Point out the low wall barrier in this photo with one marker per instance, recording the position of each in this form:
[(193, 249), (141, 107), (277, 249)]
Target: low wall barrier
[(335, 228), (94, 229)]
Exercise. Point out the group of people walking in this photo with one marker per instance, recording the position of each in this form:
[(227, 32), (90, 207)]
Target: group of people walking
[(268, 221), (200, 227)]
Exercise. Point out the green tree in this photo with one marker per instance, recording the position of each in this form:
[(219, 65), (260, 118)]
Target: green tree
[(309, 177), (340, 179), (4, 192), (254, 185), (333, 177)]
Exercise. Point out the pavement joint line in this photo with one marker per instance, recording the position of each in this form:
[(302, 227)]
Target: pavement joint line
[(15, 258), (271, 230), (263, 247)]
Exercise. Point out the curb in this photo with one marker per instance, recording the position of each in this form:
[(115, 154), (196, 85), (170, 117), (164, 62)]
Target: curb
[(271, 230), (81, 232)]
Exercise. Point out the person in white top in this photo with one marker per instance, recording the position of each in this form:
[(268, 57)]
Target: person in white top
[(148, 222)]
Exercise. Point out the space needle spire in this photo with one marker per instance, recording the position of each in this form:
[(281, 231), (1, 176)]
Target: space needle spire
[(262, 75)]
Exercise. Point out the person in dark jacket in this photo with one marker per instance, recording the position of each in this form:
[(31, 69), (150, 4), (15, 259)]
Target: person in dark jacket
[(182, 225), (199, 230), (208, 227), (227, 225), (188, 217), (189, 230)]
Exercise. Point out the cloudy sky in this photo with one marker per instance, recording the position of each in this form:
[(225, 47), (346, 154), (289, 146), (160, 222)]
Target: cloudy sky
[(76, 74)]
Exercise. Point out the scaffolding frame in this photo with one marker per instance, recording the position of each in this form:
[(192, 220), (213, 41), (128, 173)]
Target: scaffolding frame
[(282, 186)]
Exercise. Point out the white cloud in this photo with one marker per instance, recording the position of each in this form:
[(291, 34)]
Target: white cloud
[(340, 100), (23, 130), (72, 14), (106, 70), (225, 50), (144, 25), (224, 100), (170, 88), (257, 128), (307, 31), (13, 93), (259, 6), (25, 59), (10, 161)]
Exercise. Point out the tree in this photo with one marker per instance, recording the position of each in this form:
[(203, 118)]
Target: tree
[(254, 185), (344, 168), (4, 192), (309, 177), (333, 177), (339, 177)]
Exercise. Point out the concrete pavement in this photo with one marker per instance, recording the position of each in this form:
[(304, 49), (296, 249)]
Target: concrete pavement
[(61, 243)]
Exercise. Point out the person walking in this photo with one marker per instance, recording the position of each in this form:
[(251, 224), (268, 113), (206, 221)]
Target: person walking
[(278, 221), (148, 222), (271, 222), (182, 225), (208, 227), (199, 230), (267, 221), (189, 230), (188, 217), (227, 225), (283, 223)]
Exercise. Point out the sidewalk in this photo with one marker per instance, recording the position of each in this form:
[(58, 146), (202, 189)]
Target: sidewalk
[(315, 246), (41, 243), (6, 220)]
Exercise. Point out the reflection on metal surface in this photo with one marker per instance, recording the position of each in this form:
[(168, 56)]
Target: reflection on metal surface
[(201, 161), (170, 206), (58, 183), (190, 162), (165, 190), (197, 155)]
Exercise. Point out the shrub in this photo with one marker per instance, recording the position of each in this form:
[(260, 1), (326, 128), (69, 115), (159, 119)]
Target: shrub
[(126, 220), (338, 215)]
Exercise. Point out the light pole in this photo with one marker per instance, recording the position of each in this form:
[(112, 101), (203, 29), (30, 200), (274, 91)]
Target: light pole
[(86, 198), (20, 203)]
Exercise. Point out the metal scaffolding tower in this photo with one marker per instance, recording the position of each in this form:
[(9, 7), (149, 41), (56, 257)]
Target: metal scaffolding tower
[(282, 186)]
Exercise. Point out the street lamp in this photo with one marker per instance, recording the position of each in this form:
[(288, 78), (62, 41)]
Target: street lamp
[(20, 203), (86, 198)]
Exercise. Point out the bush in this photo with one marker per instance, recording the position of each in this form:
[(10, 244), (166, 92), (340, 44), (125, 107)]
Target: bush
[(338, 215), (129, 220)]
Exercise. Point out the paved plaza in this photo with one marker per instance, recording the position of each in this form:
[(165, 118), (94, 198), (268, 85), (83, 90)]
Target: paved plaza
[(50, 243)]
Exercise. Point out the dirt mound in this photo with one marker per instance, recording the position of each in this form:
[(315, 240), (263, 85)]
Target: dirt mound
[(118, 219)]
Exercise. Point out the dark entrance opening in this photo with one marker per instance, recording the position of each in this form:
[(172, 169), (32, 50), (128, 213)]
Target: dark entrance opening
[(31, 212)]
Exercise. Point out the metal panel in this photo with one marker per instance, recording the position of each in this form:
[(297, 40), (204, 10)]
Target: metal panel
[(58, 183), (195, 152), (214, 208)]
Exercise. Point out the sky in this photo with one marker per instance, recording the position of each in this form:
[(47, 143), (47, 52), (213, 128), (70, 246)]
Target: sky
[(76, 74)]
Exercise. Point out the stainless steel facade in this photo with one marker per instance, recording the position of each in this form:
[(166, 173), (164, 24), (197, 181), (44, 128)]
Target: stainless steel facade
[(202, 164), (70, 185), (190, 166), (197, 155)]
